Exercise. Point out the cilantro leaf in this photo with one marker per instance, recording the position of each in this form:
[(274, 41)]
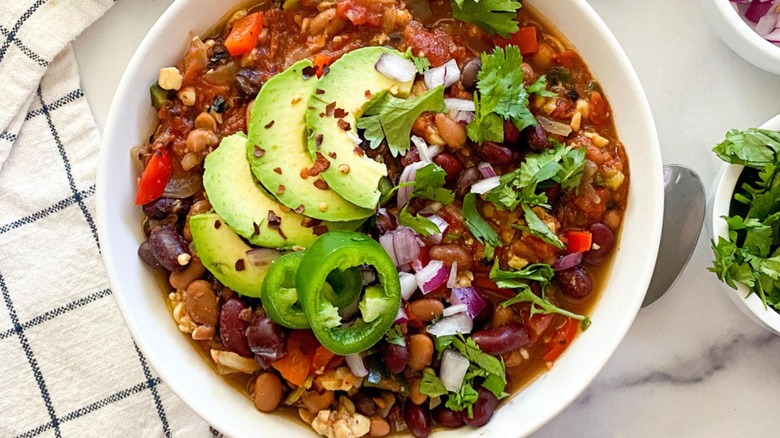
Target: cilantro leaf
[(471, 351), (395, 336), (464, 399), (431, 386), (539, 272), (420, 224), (541, 305), (429, 184), (481, 230), (391, 118), (753, 147), (442, 342), (495, 16), (539, 87), (538, 228)]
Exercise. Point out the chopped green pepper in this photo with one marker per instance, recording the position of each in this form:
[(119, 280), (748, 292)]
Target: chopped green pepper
[(280, 297), (339, 251), (158, 95)]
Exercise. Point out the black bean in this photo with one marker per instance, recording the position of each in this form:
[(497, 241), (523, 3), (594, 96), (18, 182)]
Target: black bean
[(494, 154), (468, 76), (248, 82), (266, 340), (536, 138), (365, 404), (145, 254), (466, 179), (163, 207), (169, 248)]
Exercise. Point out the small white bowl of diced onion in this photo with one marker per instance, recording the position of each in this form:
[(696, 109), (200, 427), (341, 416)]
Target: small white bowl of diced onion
[(751, 28)]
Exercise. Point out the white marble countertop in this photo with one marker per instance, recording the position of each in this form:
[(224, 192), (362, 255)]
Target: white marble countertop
[(692, 364)]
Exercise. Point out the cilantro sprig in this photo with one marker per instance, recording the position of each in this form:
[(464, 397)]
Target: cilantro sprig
[(429, 184), (495, 16), (481, 230)]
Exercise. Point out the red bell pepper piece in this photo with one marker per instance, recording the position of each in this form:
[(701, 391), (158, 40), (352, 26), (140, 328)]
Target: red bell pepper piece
[(525, 39), (560, 340), (245, 33), (598, 108), (155, 177), (578, 241)]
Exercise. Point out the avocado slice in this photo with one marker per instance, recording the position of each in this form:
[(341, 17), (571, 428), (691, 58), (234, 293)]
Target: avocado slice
[(223, 253), (277, 148), (248, 209), (333, 109)]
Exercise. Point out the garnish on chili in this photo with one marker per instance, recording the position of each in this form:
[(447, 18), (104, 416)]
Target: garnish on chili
[(155, 177)]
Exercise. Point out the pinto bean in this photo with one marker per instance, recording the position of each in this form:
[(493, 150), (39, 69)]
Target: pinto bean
[(466, 179), (502, 315), (451, 165), (268, 392), (452, 132), (179, 280), (426, 309), (420, 352), (379, 427), (199, 207), (169, 248), (415, 395), (494, 154), (161, 208), (201, 302), (468, 76), (451, 253)]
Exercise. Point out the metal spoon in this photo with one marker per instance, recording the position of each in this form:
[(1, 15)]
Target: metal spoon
[(684, 204)]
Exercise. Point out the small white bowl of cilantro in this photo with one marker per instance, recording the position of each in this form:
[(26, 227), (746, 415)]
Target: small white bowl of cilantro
[(746, 222)]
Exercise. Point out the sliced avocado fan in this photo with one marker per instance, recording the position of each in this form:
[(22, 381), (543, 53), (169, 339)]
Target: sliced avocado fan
[(338, 101), (248, 208), (277, 148)]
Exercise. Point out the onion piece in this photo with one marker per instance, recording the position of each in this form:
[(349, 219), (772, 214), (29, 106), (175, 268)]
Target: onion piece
[(432, 276), (262, 256), (396, 67), (457, 308), (387, 242), (408, 285), (408, 175), (452, 325), (554, 127), (183, 186), (758, 9), (446, 75), (355, 138), (470, 297), (453, 280), (455, 104), (356, 365), (464, 117), (442, 225), (405, 245), (401, 317), (453, 369), (485, 185), (568, 261), (486, 170), (422, 149)]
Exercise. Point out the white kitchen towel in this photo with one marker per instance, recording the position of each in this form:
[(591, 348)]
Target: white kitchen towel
[(69, 366)]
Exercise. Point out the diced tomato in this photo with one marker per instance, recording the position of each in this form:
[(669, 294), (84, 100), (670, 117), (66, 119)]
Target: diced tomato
[(560, 340), (245, 33), (578, 241), (598, 108), (565, 58), (525, 39), (435, 45), (155, 177), (321, 63), (295, 365), (360, 14)]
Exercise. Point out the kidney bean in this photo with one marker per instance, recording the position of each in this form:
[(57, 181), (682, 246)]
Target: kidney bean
[(468, 76), (603, 242), (266, 340), (411, 156), (451, 253), (452, 132), (575, 282), (426, 309), (483, 409), (466, 179), (179, 280), (169, 248), (268, 392), (365, 404), (451, 165), (395, 357), (420, 352), (147, 256), (447, 417), (160, 208), (201, 302), (416, 420), (536, 138), (494, 154), (232, 330), (511, 133), (502, 339)]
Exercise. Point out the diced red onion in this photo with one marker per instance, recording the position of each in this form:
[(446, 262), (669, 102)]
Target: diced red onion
[(432, 276), (401, 317), (485, 185), (431, 208), (457, 308), (464, 117), (426, 151), (355, 138), (446, 75), (405, 245), (416, 265), (388, 243), (396, 67), (470, 297), (453, 369), (452, 325), (567, 261), (453, 280), (757, 9), (262, 256), (455, 104), (434, 150), (408, 284), (553, 127), (486, 170), (408, 175), (356, 365), (441, 224)]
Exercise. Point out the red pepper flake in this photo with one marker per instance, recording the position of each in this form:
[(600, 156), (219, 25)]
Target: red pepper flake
[(339, 113), (321, 164), (259, 152), (217, 224), (278, 170), (240, 265), (308, 73), (321, 184), (344, 125), (325, 69), (368, 94), (256, 229), (329, 108), (318, 140), (332, 155), (300, 209), (271, 123), (319, 91), (319, 230), (280, 189), (359, 152), (274, 223)]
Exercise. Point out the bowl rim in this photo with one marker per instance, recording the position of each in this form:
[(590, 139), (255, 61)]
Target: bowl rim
[(724, 192), (577, 384), (744, 31)]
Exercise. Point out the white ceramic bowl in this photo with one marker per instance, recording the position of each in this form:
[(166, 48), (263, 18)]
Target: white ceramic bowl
[(172, 355), (740, 37), (721, 200)]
